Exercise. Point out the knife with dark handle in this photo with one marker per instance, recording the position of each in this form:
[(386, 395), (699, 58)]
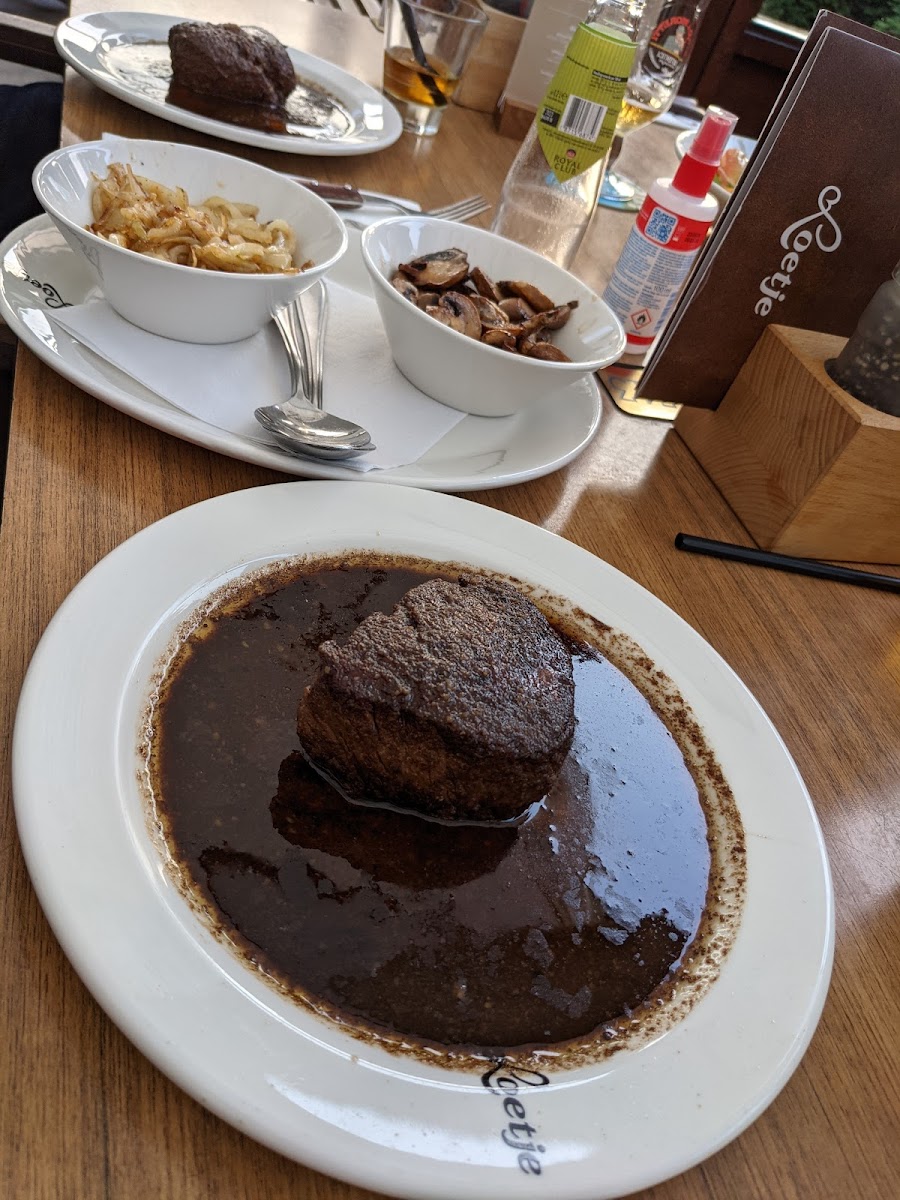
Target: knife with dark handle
[(338, 195), (342, 195)]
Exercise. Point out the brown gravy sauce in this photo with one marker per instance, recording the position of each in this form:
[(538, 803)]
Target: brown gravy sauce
[(146, 67), (606, 913)]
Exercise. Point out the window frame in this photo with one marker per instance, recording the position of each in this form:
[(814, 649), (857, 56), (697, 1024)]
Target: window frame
[(735, 28)]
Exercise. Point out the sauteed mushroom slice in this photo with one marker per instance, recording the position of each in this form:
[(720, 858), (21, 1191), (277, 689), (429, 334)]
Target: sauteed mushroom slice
[(555, 318), (501, 338), (512, 315), (528, 292), (516, 309), (532, 348), (534, 327), (492, 316), (459, 313), (405, 287), (441, 269), (485, 286)]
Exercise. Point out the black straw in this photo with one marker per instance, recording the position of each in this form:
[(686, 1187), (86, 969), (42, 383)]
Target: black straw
[(786, 562), (419, 55)]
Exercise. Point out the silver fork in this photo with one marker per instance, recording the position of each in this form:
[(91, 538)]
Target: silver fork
[(462, 210), (459, 210), (344, 195)]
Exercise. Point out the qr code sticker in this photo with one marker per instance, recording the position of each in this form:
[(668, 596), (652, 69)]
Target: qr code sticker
[(661, 225)]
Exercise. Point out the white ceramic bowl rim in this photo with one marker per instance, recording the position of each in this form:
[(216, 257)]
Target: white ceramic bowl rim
[(516, 361), (256, 279)]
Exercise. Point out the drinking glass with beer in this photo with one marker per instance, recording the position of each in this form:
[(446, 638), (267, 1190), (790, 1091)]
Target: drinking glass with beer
[(666, 38), (427, 44)]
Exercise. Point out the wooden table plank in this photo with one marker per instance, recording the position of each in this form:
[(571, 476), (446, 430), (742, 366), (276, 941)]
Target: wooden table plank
[(83, 1116)]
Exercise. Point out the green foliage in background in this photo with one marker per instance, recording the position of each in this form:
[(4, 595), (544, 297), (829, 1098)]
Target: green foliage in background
[(884, 15)]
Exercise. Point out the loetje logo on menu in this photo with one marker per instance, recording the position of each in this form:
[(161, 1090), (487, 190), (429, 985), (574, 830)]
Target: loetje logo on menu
[(819, 227)]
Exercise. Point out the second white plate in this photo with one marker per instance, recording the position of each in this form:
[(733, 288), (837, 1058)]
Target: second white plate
[(38, 270), (126, 54)]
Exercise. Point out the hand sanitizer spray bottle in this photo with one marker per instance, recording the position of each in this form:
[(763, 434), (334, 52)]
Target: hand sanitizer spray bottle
[(667, 236)]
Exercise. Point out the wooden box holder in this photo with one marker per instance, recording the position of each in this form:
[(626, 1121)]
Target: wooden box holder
[(488, 69), (807, 468)]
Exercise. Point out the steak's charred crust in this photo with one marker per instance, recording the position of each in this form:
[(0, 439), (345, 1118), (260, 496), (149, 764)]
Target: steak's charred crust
[(459, 704), (237, 74)]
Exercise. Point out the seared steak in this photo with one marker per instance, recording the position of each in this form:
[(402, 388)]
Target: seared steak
[(225, 71), (459, 705)]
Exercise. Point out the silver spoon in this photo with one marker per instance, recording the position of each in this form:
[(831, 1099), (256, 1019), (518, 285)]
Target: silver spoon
[(296, 424)]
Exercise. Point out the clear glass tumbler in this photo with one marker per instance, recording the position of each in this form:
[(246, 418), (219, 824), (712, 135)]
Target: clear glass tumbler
[(426, 46)]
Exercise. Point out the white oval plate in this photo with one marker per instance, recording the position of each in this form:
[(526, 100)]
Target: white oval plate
[(295, 1081), (39, 270), (89, 42)]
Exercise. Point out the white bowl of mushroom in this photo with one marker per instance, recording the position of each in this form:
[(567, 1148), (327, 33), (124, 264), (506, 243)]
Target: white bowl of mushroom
[(481, 323)]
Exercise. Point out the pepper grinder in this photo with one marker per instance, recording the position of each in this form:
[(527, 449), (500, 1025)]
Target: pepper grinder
[(869, 365)]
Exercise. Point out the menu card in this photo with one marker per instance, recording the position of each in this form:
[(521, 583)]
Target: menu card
[(812, 228), (544, 42)]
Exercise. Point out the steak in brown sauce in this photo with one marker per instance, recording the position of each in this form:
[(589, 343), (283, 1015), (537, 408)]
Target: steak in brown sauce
[(231, 73), (458, 705)]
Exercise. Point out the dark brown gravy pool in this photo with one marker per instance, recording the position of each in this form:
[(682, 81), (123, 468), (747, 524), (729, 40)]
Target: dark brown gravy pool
[(146, 68), (483, 938)]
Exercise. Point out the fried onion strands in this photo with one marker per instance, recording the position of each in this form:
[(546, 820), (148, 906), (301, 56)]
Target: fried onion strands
[(217, 235)]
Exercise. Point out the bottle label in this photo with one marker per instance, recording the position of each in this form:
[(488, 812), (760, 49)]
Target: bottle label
[(666, 228), (650, 272), (576, 121), (671, 41)]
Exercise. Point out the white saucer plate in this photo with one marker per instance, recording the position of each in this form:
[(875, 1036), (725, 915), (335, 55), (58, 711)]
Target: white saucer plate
[(39, 270), (297, 1082), (98, 46)]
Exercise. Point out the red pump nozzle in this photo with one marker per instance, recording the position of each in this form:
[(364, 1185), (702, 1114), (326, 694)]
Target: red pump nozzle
[(699, 165)]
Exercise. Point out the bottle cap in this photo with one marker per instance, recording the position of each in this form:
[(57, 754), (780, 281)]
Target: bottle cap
[(700, 163), (708, 145)]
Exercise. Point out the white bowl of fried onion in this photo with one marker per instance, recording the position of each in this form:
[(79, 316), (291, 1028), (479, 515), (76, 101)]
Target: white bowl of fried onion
[(169, 264)]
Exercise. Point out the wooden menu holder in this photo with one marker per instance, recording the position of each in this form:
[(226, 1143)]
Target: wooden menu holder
[(513, 120), (807, 468), (485, 76)]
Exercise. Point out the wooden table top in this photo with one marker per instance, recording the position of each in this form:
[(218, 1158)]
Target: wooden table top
[(83, 1115)]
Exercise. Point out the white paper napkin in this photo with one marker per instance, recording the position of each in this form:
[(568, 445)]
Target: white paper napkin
[(222, 385)]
